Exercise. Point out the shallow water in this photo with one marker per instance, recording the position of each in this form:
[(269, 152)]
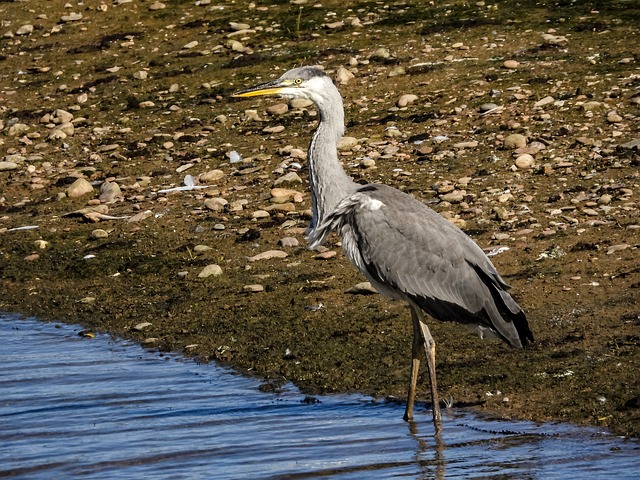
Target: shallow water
[(74, 407)]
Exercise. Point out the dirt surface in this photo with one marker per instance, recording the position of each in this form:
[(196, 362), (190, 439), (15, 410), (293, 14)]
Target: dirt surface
[(119, 93)]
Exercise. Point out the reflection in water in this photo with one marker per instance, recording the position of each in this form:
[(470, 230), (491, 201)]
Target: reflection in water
[(74, 407)]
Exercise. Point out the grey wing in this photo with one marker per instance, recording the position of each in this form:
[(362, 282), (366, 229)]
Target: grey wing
[(411, 252)]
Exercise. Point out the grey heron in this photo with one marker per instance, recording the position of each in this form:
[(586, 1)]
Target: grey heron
[(406, 250)]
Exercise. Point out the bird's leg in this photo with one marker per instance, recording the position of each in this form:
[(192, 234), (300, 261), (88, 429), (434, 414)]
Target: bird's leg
[(422, 336), (416, 350), (430, 348)]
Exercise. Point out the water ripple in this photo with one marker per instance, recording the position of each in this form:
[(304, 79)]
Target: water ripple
[(74, 407)]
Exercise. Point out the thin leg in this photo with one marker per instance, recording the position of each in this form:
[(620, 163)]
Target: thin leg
[(422, 336), (416, 350)]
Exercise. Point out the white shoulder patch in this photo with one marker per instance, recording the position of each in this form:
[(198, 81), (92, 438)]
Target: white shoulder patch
[(371, 203)]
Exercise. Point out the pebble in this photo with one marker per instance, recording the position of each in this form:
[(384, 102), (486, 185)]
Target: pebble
[(5, 166), (212, 270), (288, 242), (110, 192), (344, 76), (487, 107), (515, 140), (260, 214), (288, 178), (99, 233), (613, 117), (278, 109), (510, 64), (141, 326), (41, 244), (347, 143), (456, 196), (79, 188), (616, 248), (212, 176), (269, 254), (72, 17), (406, 99), (157, 6), (326, 255), (544, 102), (253, 288), (362, 288), (524, 161), (25, 30), (216, 204)]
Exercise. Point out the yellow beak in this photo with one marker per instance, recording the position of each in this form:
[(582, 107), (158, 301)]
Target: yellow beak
[(269, 88)]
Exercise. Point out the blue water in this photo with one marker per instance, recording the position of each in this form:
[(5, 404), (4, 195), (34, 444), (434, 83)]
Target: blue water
[(74, 407)]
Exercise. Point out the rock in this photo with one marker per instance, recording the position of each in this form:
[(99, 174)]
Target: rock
[(5, 166), (25, 30), (291, 177), (605, 199), (110, 192), (344, 76), (487, 107), (253, 288), (157, 6), (300, 103), (216, 204), (260, 214), (363, 288), (141, 326), (210, 270), (524, 161), (190, 45), (282, 195), (544, 102), (18, 129), (140, 75), (326, 255), (381, 54), (236, 26), (212, 176), (99, 233), (41, 244), (288, 242), (515, 140), (510, 64), (613, 117), (616, 248), (269, 254), (347, 143), (406, 99), (278, 109), (549, 39), (72, 17), (455, 196), (79, 188)]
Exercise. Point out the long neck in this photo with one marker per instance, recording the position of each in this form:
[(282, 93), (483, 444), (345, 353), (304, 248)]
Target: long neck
[(329, 182)]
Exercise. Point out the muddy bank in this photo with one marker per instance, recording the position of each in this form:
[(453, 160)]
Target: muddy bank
[(523, 131)]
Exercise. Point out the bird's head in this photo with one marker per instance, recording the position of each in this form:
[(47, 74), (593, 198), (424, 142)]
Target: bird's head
[(303, 82)]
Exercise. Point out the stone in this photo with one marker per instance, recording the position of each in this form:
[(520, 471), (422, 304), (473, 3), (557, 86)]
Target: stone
[(455, 196), (216, 204), (157, 6), (524, 161), (278, 109), (212, 270), (406, 99), (141, 326), (487, 107), (515, 140), (344, 76), (613, 117), (25, 30), (110, 192), (269, 254), (260, 214), (287, 178), (253, 288), (288, 242), (18, 129), (140, 75), (510, 64), (326, 255), (347, 143), (72, 17), (212, 176), (6, 166), (544, 101), (99, 233), (362, 288), (79, 188)]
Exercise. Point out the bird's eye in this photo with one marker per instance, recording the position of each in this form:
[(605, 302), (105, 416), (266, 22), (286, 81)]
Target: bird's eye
[(297, 81)]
